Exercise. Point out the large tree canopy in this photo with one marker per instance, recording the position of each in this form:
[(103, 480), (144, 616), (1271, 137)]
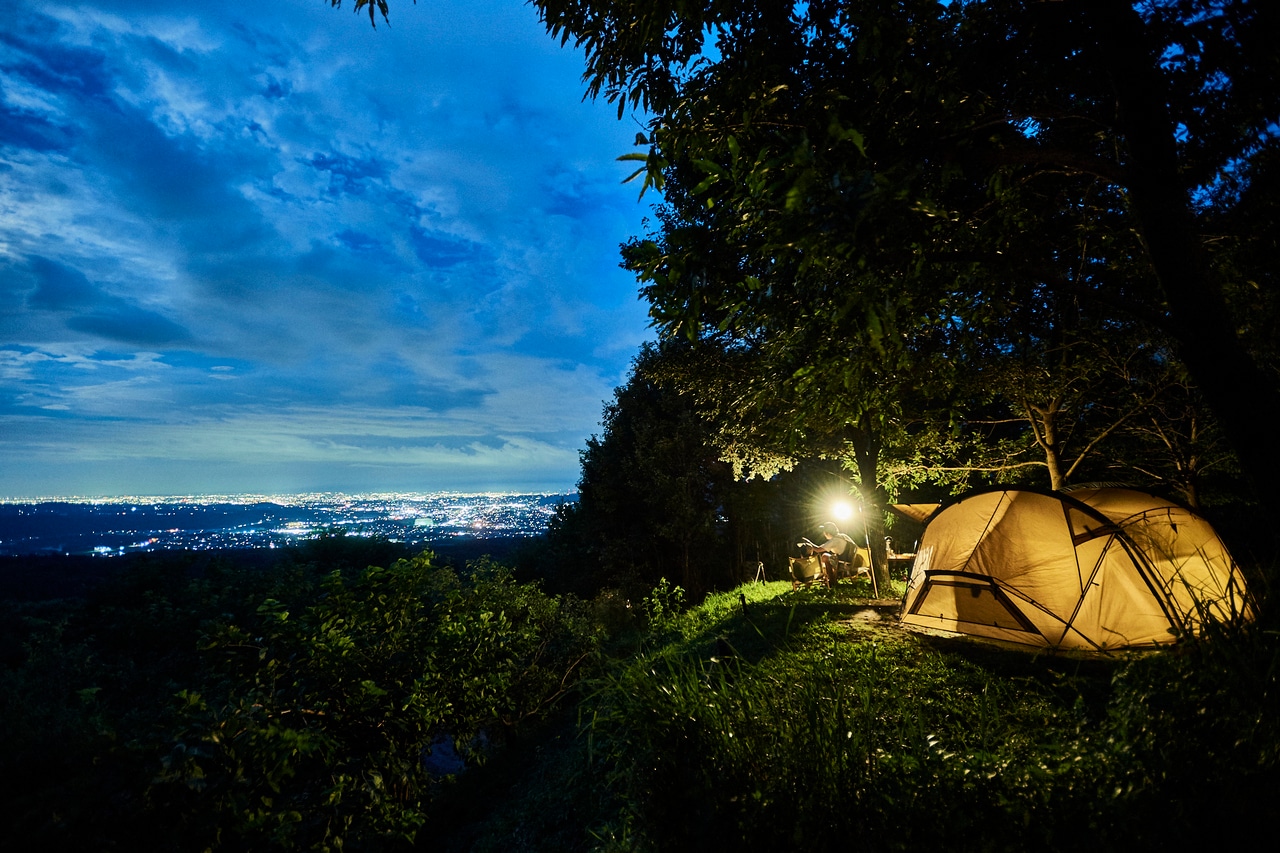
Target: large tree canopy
[(849, 148)]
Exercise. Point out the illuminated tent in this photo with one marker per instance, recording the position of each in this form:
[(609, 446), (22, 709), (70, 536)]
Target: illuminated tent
[(1104, 568), (918, 513)]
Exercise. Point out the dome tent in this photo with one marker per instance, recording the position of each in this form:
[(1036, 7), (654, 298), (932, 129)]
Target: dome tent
[(1099, 569)]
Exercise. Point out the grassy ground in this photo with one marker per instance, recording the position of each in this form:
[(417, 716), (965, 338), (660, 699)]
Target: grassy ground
[(775, 719), (765, 718)]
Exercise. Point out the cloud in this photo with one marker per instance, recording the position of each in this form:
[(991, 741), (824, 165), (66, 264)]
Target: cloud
[(349, 175), (89, 309), (129, 325), (441, 251), (419, 222), (58, 287), (289, 450)]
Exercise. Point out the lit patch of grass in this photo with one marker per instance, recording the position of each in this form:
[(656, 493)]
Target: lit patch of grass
[(773, 725), (818, 740)]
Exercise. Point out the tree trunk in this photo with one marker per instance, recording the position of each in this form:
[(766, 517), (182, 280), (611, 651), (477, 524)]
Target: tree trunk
[(1230, 380), (866, 455), (1044, 426), (686, 571)]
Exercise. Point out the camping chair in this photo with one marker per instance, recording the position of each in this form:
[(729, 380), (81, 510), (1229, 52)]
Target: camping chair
[(852, 565), (805, 571), (855, 563)]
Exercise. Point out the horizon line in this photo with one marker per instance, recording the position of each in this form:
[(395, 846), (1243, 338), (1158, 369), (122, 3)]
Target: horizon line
[(270, 497)]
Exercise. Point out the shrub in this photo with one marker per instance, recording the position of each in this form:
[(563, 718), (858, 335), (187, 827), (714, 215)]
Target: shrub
[(316, 731)]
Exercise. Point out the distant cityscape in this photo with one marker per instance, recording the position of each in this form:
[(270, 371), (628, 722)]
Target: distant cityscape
[(115, 526)]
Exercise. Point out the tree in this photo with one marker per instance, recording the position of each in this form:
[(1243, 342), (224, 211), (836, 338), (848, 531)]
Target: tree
[(818, 393), (791, 358), (659, 496), (882, 134), (1174, 444), (652, 492)]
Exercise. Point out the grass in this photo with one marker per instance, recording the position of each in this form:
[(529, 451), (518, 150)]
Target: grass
[(770, 719), (764, 718)]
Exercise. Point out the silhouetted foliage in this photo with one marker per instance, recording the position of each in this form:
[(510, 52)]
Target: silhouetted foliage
[(657, 499), (295, 703)]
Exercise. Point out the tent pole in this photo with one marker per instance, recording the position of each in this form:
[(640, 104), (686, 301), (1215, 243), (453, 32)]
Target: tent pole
[(871, 558)]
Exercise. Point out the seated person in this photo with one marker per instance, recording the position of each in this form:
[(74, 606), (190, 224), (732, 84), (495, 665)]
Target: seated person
[(837, 544)]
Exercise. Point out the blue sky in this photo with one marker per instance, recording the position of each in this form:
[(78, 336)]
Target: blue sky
[(264, 247)]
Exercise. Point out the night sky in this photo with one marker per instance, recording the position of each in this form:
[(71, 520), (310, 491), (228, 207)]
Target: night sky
[(267, 248)]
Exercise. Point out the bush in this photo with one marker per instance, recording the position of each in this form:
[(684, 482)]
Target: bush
[(278, 707), (318, 730)]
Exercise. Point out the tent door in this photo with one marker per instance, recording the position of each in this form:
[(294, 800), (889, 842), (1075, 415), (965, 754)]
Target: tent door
[(964, 597)]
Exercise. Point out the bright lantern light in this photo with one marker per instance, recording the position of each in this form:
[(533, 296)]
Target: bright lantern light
[(842, 511)]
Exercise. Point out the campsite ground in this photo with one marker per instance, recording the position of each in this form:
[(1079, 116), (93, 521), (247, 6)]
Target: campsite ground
[(774, 719), (260, 706)]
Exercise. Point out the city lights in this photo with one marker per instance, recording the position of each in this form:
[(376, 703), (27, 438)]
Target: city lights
[(199, 523)]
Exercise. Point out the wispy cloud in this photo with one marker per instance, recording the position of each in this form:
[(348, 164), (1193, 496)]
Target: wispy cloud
[(303, 248)]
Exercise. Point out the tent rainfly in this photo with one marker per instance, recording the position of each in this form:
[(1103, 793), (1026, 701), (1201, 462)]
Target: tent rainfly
[(1096, 569), (918, 513)]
